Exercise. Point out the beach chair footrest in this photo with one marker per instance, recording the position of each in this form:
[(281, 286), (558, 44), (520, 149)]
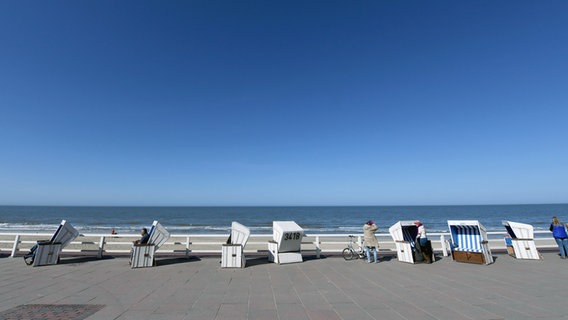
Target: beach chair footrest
[(469, 257)]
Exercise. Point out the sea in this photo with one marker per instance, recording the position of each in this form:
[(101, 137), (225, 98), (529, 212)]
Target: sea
[(313, 219)]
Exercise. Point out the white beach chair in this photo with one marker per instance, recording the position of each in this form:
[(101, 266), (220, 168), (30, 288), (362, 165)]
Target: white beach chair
[(404, 234), (287, 242), (143, 254), (522, 238), (47, 252), (469, 242), (232, 255)]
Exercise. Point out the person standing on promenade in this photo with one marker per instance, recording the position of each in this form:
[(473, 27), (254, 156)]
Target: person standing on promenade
[(423, 246), (559, 233), (421, 233), (369, 230)]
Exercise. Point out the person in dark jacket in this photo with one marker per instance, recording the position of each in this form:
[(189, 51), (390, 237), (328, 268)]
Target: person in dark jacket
[(145, 237), (559, 233)]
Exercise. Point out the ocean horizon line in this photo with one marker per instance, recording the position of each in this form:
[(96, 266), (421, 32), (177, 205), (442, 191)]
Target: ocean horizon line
[(276, 206)]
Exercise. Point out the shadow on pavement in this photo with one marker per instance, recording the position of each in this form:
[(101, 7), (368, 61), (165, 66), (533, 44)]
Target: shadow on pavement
[(177, 260)]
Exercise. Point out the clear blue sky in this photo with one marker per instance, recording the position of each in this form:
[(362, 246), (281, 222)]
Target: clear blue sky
[(289, 103)]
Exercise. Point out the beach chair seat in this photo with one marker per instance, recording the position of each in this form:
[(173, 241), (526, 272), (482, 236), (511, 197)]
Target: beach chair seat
[(469, 242), (143, 254), (232, 254), (47, 252), (286, 243), (522, 240), (468, 249)]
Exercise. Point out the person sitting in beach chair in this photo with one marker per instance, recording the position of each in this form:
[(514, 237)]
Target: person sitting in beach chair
[(144, 238), (142, 254), (46, 252)]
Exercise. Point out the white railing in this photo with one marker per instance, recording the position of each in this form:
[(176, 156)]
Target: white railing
[(187, 244)]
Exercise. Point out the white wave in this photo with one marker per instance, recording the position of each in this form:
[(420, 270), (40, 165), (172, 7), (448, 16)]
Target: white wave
[(27, 227)]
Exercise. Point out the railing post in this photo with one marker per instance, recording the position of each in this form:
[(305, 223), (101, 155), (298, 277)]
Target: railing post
[(15, 247), (101, 247), (359, 242), (444, 247), (318, 249), (187, 248)]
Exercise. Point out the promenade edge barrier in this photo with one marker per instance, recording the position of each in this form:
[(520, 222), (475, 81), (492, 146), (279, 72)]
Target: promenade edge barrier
[(143, 254), (286, 243), (47, 252), (232, 254), (13, 244), (404, 235), (469, 242), (522, 240)]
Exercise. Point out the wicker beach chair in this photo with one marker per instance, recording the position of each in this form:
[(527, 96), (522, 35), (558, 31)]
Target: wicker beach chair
[(522, 240), (47, 252), (403, 234), (469, 242), (143, 254), (232, 254), (287, 242)]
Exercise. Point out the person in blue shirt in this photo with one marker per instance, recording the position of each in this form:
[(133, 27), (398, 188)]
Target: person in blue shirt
[(559, 233)]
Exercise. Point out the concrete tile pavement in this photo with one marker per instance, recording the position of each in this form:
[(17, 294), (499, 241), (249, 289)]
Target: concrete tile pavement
[(328, 288)]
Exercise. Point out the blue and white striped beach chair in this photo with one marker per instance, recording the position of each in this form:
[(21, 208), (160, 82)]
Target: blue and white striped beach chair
[(143, 254), (522, 240), (469, 242), (404, 234)]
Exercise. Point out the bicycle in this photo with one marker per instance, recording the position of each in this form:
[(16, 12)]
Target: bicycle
[(350, 252)]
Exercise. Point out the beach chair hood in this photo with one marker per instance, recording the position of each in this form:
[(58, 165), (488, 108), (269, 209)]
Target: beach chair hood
[(519, 230), (288, 235), (158, 235), (239, 234), (404, 231), (64, 234)]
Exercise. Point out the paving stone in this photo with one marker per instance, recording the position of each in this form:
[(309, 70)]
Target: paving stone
[(330, 288), (50, 311)]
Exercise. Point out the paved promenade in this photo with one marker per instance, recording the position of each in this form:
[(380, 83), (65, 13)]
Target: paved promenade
[(328, 288)]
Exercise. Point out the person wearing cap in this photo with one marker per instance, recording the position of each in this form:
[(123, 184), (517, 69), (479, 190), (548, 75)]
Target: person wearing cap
[(421, 233), (371, 241), (423, 246)]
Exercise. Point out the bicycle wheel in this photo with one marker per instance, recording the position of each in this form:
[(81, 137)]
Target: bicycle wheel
[(348, 254)]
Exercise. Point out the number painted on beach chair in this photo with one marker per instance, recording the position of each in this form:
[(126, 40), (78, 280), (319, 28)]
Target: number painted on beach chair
[(292, 236)]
